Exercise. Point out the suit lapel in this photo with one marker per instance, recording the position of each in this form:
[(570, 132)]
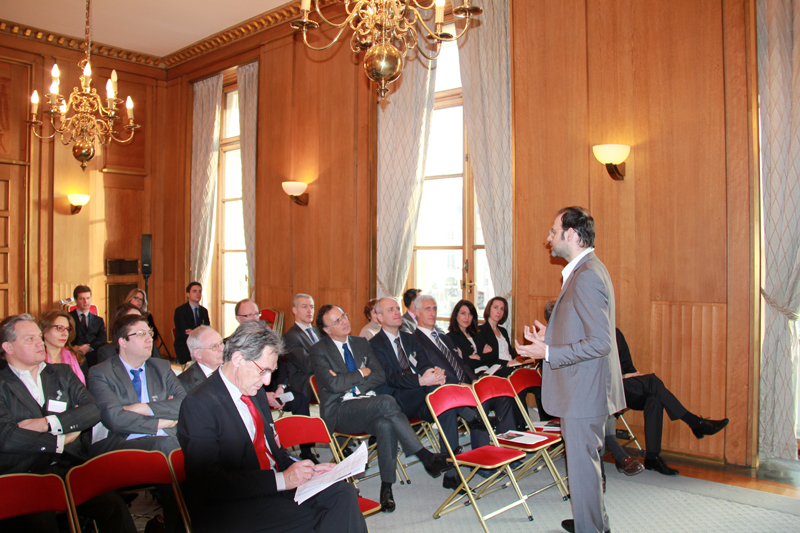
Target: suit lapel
[(335, 355), (18, 389), (125, 378), (568, 285)]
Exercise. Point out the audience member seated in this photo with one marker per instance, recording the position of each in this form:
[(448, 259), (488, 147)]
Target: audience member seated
[(188, 316), (91, 329), (107, 351), (247, 311), (44, 410), (138, 298), (298, 340), (205, 346), (409, 318), (373, 326), (58, 330), (238, 477), (139, 396), (347, 374), (463, 331), (495, 336)]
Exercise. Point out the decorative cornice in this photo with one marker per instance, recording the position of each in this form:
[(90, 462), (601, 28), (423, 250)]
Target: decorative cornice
[(245, 29)]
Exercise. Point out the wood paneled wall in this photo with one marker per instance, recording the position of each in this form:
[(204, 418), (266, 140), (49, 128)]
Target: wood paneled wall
[(669, 79)]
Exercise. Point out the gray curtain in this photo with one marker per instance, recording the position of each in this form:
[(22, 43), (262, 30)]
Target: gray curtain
[(778, 34), (247, 78)]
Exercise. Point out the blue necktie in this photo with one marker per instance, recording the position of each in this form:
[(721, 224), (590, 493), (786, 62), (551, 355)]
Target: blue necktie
[(196, 317), (310, 332), (137, 382), (351, 364)]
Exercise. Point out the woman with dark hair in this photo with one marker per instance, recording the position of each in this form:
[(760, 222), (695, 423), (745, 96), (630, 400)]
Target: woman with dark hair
[(373, 326), (58, 331), (494, 335), (463, 330)]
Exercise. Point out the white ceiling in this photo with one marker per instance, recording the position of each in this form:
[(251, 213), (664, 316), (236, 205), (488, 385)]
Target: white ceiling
[(155, 27)]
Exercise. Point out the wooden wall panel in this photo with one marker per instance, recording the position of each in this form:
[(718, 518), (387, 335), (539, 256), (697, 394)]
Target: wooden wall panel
[(123, 223)]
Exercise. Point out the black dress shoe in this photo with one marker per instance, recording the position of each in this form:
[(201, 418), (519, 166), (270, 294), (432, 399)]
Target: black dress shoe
[(309, 455), (569, 525), (387, 500), (709, 427), (451, 482), (630, 466), (659, 466), (438, 465)]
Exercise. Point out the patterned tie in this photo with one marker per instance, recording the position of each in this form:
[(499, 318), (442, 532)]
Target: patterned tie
[(401, 356), (351, 364), (449, 356), (311, 334), (196, 316), (265, 459), (83, 321), (136, 374)]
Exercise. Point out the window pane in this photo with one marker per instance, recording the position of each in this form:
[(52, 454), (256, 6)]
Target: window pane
[(448, 75), (483, 281), (478, 226), (446, 144), (234, 285), (440, 214), (438, 273), (233, 174), (234, 225), (231, 126), (229, 323)]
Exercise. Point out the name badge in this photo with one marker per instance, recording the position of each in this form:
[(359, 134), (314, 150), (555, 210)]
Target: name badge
[(55, 406), (412, 360)]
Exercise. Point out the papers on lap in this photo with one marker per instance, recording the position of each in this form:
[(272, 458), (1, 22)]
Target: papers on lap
[(355, 464)]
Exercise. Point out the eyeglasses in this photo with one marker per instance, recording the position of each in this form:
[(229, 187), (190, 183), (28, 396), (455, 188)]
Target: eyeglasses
[(553, 231), (251, 315), (141, 334), (215, 347), (137, 298), (339, 320), (62, 329), (263, 371)]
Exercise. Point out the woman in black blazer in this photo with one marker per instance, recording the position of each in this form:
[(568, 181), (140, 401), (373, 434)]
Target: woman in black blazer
[(493, 335), (463, 331)]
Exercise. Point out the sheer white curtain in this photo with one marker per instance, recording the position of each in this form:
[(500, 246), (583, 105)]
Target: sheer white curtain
[(404, 125), (484, 58), (205, 156), (247, 78), (779, 90)]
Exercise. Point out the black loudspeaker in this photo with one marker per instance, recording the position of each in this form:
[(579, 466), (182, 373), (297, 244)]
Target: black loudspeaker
[(147, 255)]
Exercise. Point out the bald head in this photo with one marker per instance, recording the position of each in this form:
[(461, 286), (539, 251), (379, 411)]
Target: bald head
[(389, 315)]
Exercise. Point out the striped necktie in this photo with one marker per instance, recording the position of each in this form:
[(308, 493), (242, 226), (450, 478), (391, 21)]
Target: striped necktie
[(401, 357), (449, 356)]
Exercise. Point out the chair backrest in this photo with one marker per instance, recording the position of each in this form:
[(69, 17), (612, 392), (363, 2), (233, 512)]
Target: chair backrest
[(274, 317), (489, 387), (524, 378), (449, 397), (300, 429), (178, 469), (92, 308), (31, 493), (313, 381), (176, 463), (268, 315)]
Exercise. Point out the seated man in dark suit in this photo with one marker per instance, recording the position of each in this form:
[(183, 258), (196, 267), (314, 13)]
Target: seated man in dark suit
[(139, 396), (187, 317), (205, 346), (238, 476), (299, 339), (108, 351), (347, 374), (409, 318), (90, 334), (44, 412)]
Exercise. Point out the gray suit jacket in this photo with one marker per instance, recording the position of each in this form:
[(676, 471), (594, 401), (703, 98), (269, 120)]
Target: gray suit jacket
[(583, 377), (409, 324), (298, 344), (191, 377), (325, 356), (111, 385)]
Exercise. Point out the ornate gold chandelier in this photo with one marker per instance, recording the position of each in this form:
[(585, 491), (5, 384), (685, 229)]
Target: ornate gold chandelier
[(82, 118), (387, 29)]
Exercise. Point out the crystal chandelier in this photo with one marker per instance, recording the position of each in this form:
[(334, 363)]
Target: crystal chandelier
[(82, 118), (387, 29)]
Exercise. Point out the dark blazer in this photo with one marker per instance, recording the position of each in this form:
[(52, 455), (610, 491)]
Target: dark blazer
[(625, 359), (191, 377), (184, 319), (463, 344), (487, 336), (325, 356), (22, 450), (406, 390), (221, 462), (94, 334), (298, 344), (111, 385), (437, 358)]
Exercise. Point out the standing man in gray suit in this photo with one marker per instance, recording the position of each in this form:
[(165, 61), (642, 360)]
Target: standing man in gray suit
[(205, 346), (581, 379), (298, 340)]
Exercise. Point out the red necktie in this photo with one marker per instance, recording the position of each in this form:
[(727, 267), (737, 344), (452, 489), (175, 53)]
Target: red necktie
[(265, 458)]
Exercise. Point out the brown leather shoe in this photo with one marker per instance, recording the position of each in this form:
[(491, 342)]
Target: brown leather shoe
[(630, 466)]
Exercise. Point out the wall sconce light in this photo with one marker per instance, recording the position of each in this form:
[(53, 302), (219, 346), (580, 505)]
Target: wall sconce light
[(77, 201), (613, 157), (296, 191)]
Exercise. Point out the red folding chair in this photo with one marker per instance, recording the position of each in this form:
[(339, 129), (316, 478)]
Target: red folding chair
[(489, 387), (178, 470), (299, 429), (491, 456), (92, 309), (525, 378), (25, 494), (274, 318)]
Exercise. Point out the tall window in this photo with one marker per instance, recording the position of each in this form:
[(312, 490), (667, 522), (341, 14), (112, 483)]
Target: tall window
[(449, 259), (231, 257)]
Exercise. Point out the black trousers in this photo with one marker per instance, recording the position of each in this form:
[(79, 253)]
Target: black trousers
[(649, 394)]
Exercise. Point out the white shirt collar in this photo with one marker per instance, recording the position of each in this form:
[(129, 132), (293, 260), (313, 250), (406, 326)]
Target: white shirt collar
[(34, 385), (207, 371), (233, 390), (427, 332), (567, 271)]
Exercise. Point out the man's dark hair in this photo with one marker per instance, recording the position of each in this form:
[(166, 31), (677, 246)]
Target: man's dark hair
[(472, 329), (123, 325), (578, 219), (192, 284), (548, 310), (409, 296), (324, 310), (80, 289), (250, 339), (8, 331), (122, 310), (488, 308)]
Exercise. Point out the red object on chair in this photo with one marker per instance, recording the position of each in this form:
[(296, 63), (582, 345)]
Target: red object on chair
[(25, 494), (92, 308)]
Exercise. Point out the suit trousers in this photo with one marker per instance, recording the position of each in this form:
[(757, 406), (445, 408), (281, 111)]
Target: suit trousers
[(584, 442), (381, 417), (649, 394)]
